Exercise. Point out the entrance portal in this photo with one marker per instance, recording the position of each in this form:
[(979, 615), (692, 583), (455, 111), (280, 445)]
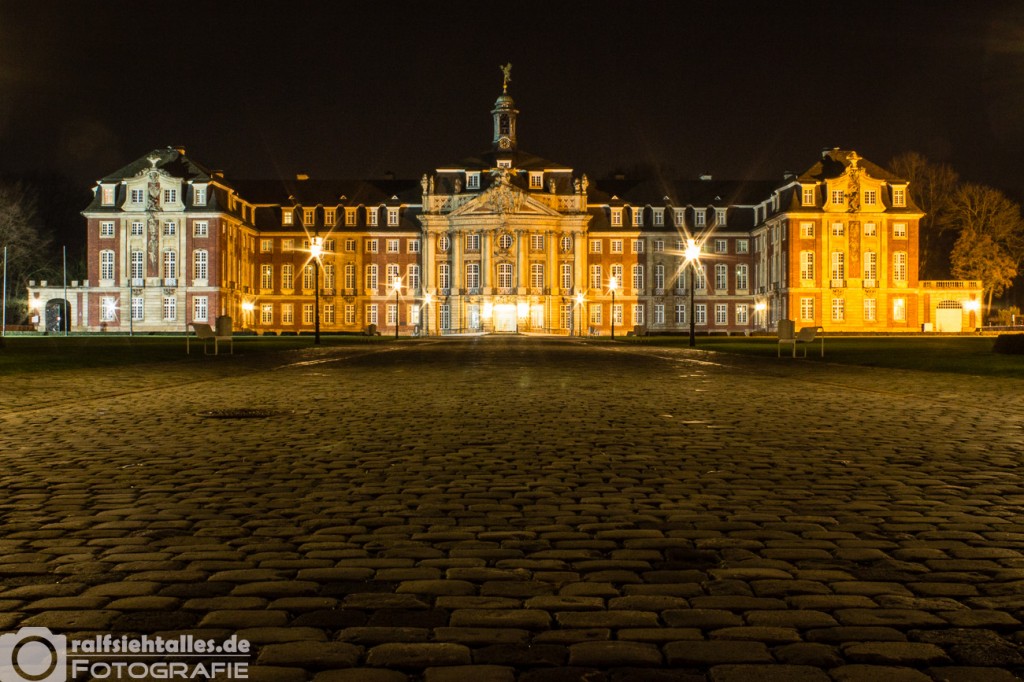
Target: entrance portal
[(949, 317), (505, 317), (57, 315)]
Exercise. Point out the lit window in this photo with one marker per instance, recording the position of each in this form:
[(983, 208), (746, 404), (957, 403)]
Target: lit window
[(266, 245), (808, 196), (536, 180), (107, 195), (108, 309), (899, 197), (286, 216), (899, 309)]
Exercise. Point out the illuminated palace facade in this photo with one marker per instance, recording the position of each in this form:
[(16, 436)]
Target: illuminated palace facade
[(503, 242)]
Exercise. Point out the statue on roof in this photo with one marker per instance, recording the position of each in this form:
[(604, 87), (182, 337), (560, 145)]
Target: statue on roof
[(507, 73)]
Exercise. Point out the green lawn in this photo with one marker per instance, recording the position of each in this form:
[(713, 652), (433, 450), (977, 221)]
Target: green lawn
[(955, 354)]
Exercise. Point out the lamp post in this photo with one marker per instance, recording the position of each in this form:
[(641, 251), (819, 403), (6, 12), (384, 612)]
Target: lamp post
[(692, 254), (316, 248), (398, 288), (613, 285), (579, 305)]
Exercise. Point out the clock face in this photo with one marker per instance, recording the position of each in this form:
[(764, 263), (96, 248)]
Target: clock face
[(504, 143)]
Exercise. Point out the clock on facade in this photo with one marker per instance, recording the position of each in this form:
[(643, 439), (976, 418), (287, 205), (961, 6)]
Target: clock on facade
[(504, 143)]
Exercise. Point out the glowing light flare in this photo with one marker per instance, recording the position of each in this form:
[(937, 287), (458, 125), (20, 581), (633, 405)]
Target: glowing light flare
[(692, 251), (613, 284), (522, 309), (316, 247), (396, 285), (972, 306), (760, 306), (580, 299), (428, 298), (488, 311), (248, 306)]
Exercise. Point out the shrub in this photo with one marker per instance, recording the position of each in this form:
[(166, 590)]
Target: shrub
[(1009, 344)]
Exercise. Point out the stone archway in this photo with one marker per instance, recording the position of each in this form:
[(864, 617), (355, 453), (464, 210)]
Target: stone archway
[(57, 312)]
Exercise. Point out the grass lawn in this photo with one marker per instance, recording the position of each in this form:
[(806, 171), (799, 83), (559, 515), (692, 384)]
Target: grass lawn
[(955, 354), (19, 354)]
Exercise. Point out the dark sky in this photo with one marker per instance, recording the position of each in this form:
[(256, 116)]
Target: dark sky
[(355, 89)]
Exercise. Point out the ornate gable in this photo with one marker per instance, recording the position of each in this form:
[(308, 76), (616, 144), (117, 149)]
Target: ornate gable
[(504, 198)]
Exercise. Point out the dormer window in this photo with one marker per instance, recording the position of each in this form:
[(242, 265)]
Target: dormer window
[(808, 196), (700, 217), (616, 217), (392, 217), (720, 217), (659, 217), (287, 217), (899, 196), (107, 195), (198, 196), (638, 217), (472, 181), (170, 196), (350, 216), (536, 180), (371, 216), (838, 197), (307, 216), (138, 196), (330, 215), (870, 197), (504, 163)]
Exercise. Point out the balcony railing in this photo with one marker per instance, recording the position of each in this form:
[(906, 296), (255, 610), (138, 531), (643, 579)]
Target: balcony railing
[(951, 284)]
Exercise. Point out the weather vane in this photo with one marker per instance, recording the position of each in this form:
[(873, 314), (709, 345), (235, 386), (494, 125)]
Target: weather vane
[(507, 73)]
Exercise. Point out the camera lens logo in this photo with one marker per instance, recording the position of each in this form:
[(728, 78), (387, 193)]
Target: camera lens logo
[(33, 655)]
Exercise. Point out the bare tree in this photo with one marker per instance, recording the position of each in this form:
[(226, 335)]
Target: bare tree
[(978, 256), (932, 187), (20, 234)]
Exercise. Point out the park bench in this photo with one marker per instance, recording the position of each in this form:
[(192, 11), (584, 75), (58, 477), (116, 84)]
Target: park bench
[(206, 333), (806, 335)]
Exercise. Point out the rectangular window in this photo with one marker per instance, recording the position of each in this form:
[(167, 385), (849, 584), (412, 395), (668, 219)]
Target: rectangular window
[(307, 216), (170, 264), (350, 276), (720, 217), (742, 246), (838, 268), (721, 277), (392, 274), (472, 275), (659, 277), (107, 194), (350, 216), (287, 276), (595, 246), (392, 216), (308, 275), (838, 309), (200, 308), (412, 278), (371, 277), (412, 245), (106, 229), (680, 313), (595, 277), (742, 313), (330, 216), (391, 315), (536, 180), (350, 314), (870, 268), (267, 277), (201, 228), (659, 313), (170, 228), (869, 229), (200, 264), (371, 314), (444, 276), (679, 215), (307, 314), (266, 246), (504, 163), (838, 230), (807, 230), (899, 266), (565, 276), (899, 197), (702, 277), (392, 245), (638, 277), (287, 217), (742, 280), (138, 196), (350, 245), (372, 214), (328, 313), (899, 309), (899, 230), (287, 245), (536, 242), (617, 275), (137, 266), (371, 246), (472, 181), (870, 197), (473, 242), (700, 217), (807, 308), (565, 316), (638, 246), (838, 197), (595, 314), (721, 313), (808, 196), (659, 217), (869, 310), (287, 313), (659, 246), (170, 308), (137, 228), (170, 196), (445, 316), (638, 217), (638, 314), (721, 246), (138, 308), (700, 315), (617, 313), (616, 246), (616, 217)]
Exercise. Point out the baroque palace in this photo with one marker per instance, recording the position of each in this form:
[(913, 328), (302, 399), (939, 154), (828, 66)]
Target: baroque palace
[(504, 241)]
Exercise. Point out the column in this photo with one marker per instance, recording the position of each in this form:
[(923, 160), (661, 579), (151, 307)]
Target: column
[(522, 262), (486, 279)]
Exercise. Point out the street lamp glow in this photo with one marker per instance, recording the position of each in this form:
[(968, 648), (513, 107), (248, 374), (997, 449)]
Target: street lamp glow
[(579, 302), (972, 306), (613, 284), (692, 250), (397, 282), (316, 246)]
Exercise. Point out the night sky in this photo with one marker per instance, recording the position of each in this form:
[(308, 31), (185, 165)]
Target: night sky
[(356, 89)]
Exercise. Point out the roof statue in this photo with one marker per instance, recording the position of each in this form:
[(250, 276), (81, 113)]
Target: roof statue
[(507, 73)]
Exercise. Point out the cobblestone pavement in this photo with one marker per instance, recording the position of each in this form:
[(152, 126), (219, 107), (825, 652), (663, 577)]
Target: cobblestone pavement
[(509, 508)]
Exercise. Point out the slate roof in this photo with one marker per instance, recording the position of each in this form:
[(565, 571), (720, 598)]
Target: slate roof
[(172, 160), (315, 191)]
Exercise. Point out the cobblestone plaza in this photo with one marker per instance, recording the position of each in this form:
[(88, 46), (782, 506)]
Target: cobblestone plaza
[(513, 508)]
